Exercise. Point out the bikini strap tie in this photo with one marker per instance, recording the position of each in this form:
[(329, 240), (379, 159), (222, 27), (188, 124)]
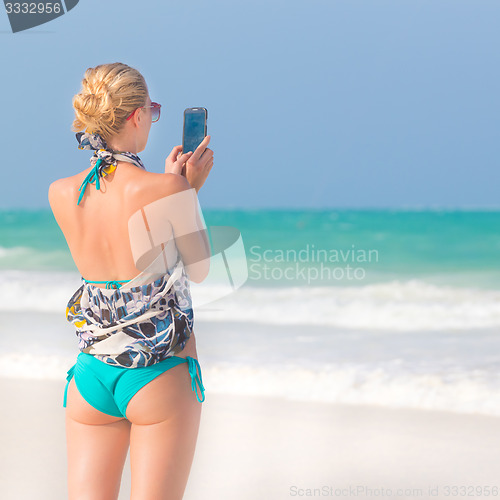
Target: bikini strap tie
[(104, 160), (69, 376), (194, 368), (113, 284)]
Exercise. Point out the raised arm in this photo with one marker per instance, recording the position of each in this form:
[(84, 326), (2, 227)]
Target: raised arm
[(174, 216)]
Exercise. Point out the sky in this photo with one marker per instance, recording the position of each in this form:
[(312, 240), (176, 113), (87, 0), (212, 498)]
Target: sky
[(311, 104)]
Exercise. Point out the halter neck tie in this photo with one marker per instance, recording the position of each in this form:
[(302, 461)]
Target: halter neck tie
[(103, 161)]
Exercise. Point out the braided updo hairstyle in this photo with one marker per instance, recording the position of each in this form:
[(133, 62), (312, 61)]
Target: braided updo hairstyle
[(110, 92)]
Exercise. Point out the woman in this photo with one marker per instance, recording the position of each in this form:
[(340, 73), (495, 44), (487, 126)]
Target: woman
[(136, 380)]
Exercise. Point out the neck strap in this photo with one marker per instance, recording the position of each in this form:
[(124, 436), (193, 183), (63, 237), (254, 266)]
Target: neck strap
[(104, 159)]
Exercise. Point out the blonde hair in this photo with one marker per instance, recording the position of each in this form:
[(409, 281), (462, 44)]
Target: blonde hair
[(110, 92)]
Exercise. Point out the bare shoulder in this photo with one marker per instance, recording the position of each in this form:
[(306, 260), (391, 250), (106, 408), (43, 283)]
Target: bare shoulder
[(153, 186), (57, 191)]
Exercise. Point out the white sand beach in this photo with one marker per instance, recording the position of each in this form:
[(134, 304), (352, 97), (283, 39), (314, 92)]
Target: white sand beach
[(267, 448)]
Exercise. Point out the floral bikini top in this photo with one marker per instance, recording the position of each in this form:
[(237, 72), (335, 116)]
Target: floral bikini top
[(134, 326), (144, 322)]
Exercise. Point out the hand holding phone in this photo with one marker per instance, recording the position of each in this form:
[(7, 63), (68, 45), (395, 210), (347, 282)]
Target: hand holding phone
[(195, 166), (175, 161), (193, 159), (199, 164), (194, 129)]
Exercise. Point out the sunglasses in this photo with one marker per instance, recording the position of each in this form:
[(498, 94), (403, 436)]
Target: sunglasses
[(155, 112)]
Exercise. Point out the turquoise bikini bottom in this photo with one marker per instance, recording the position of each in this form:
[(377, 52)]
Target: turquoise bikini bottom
[(110, 388)]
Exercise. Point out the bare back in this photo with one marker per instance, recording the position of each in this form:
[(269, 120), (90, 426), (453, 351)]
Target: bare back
[(96, 230)]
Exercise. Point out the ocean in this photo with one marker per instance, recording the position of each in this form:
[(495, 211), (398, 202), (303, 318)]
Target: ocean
[(399, 308)]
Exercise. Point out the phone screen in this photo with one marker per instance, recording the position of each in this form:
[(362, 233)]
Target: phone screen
[(195, 128)]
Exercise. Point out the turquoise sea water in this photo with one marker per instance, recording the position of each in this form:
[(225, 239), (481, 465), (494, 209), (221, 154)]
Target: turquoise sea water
[(416, 324), (447, 247)]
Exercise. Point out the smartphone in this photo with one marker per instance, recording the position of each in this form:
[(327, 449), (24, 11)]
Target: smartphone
[(195, 128)]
